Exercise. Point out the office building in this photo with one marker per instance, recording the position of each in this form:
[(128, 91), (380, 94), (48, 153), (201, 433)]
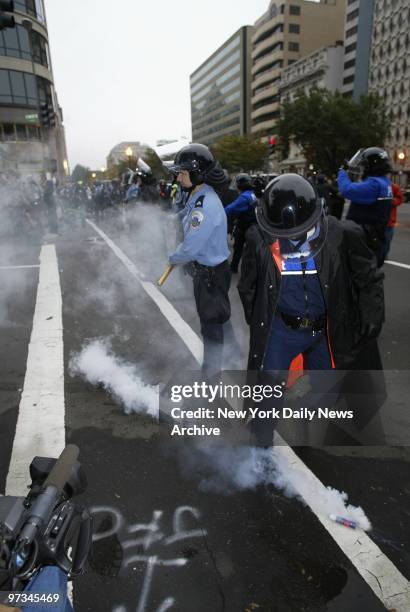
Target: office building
[(288, 31), (26, 82), (357, 40), (390, 76), (323, 69), (220, 91)]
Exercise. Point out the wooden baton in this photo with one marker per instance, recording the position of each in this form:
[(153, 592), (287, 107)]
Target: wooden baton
[(167, 272)]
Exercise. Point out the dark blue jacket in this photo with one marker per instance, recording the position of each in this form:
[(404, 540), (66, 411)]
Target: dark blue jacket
[(244, 206), (371, 199)]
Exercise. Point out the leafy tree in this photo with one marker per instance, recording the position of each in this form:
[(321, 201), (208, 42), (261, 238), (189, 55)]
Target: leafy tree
[(236, 153), (80, 173), (330, 128)]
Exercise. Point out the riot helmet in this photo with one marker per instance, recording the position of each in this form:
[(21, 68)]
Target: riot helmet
[(243, 181), (372, 161), (291, 211), (197, 159)]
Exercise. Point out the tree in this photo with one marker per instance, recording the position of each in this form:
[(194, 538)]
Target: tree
[(330, 128), (80, 173), (237, 153)]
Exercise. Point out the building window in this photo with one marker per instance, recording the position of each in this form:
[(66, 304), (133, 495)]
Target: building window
[(19, 132), (14, 42), (352, 47), (293, 46), (33, 133), (351, 32), (349, 64), (352, 15), (19, 88), (294, 9), (348, 79), (294, 28), (34, 8), (9, 131), (40, 49)]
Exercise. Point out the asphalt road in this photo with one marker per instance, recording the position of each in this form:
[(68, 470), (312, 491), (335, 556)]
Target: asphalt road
[(162, 542)]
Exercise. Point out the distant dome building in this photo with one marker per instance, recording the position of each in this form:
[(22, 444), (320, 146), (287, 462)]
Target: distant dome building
[(118, 153)]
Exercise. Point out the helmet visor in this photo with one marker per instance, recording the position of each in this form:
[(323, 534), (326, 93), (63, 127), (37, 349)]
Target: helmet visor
[(355, 161), (307, 245)]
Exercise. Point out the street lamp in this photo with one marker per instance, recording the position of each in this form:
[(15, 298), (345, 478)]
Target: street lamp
[(400, 156), (128, 153)]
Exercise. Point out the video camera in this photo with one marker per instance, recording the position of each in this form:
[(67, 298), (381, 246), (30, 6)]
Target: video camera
[(45, 528)]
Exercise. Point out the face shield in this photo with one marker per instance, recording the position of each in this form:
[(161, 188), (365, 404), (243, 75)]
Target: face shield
[(354, 164), (307, 245)]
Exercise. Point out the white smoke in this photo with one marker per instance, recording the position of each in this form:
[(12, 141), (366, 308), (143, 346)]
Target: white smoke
[(97, 364), (244, 467)]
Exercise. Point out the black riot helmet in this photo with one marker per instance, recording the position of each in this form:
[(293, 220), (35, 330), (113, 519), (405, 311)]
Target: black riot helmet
[(243, 181), (197, 159), (290, 210), (373, 161)]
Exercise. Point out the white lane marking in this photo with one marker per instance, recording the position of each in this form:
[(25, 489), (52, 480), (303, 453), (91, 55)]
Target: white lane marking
[(40, 424), (18, 267), (184, 331), (398, 264), (385, 580)]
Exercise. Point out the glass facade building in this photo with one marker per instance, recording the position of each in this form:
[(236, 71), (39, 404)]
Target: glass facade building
[(220, 91), (26, 82)]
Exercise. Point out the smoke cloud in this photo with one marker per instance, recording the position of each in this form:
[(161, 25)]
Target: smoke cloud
[(240, 468), (97, 364)]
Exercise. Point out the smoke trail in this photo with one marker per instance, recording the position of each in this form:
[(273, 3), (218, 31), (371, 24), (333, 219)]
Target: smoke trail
[(97, 364), (228, 469)]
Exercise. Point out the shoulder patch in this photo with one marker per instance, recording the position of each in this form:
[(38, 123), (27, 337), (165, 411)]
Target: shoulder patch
[(200, 202), (196, 219)]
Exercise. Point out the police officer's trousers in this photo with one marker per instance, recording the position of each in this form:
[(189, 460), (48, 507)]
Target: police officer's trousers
[(211, 287)]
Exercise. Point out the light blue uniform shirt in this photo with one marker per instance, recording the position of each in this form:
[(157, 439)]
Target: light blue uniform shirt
[(205, 230)]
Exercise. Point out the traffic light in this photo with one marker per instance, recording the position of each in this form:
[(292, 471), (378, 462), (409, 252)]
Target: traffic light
[(272, 144), (6, 20), (47, 115)]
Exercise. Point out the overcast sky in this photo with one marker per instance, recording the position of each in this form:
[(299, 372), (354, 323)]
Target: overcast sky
[(121, 69)]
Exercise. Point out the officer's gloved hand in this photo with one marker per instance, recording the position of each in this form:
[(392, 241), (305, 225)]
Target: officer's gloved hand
[(370, 330), (345, 165)]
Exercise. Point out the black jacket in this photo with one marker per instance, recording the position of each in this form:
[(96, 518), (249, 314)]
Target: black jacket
[(352, 287)]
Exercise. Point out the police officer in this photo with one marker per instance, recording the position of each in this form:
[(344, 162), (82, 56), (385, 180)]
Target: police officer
[(205, 246), (309, 283), (310, 288), (243, 209), (371, 198)]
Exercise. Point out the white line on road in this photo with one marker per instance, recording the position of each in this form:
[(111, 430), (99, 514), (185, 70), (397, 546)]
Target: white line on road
[(40, 426), (184, 331), (383, 577), (385, 580), (18, 267), (398, 264)]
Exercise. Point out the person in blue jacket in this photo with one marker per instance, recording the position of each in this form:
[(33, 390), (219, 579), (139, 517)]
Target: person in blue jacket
[(243, 209), (371, 198), (204, 250)]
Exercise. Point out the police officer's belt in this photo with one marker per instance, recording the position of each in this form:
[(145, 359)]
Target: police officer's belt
[(303, 322)]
